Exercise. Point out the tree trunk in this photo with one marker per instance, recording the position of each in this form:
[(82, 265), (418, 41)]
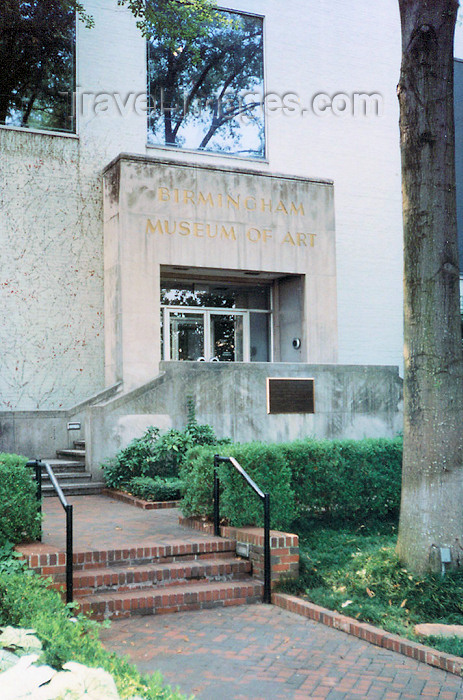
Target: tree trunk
[(432, 484)]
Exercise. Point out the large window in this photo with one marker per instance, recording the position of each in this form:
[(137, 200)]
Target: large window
[(207, 94), (218, 322), (37, 41)]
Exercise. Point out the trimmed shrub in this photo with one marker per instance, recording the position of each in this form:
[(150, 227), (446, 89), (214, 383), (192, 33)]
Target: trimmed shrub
[(156, 489), (19, 509), (347, 479), (238, 502), (350, 479)]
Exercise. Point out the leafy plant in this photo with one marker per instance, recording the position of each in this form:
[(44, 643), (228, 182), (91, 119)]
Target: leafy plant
[(21, 641), (155, 455), (19, 510), (348, 479), (25, 601), (157, 489), (132, 461), (355, 570)]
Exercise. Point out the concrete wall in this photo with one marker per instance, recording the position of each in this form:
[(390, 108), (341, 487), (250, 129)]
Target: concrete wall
[(160, 212), (350, 402), (39, 434)]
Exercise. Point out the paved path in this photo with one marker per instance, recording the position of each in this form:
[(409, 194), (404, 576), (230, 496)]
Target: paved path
[(261, 652), (101, 522)]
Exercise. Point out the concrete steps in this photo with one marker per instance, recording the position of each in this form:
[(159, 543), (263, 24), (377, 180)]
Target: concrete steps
[(69, 469)]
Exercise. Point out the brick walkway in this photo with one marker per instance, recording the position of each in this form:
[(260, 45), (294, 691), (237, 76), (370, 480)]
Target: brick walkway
[(261, 652), (101, 522), (250, 652)]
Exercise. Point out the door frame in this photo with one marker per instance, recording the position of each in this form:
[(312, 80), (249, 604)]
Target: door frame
[(206, 312)]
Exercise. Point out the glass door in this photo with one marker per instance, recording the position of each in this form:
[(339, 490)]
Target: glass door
[(226, 334), (186, 335), (205, 334)]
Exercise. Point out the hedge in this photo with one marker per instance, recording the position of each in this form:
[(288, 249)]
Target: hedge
[(348, 479), (156, 489), (19, 511), (238, 503)]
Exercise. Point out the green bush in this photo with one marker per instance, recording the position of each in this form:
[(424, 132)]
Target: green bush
[(19, 509), (347, 479), (25, 601), (155, 455), (132, 460), (157, 489), (238, 503), (351, 479)]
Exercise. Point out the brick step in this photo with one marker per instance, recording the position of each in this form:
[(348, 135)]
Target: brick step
[(79, 444), (75, 488), (51, 563), (168, 574), (71, 453), (149, 601)]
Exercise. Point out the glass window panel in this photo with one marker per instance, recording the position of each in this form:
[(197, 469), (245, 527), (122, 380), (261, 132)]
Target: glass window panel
[(215, 295), (37, 83), (227, 337), (259, 337), (186, 336), (207, 94)]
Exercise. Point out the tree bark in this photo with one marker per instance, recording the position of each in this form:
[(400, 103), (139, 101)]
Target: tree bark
[(432, 483)]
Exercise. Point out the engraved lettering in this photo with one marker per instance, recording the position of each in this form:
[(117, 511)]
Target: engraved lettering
[(197, 230), (234, 202), (281, 208), (205, 200), (184, 228), (228, 234), (265, 205), (288, 239), (297, 210)]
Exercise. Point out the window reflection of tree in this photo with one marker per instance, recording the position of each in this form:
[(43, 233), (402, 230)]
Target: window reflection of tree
[(207, 93), (185, 297), (37, 58)]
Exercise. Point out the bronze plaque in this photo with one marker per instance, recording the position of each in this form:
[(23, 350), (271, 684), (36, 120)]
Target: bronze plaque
[(290, 395)]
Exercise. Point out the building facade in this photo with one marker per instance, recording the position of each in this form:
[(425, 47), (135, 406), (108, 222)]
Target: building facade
[(202, 221)]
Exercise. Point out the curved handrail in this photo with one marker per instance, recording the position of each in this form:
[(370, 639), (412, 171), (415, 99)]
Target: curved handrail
[(38, 464), (265, 497)]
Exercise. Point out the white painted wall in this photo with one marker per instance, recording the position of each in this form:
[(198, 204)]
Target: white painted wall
[(310, 47)]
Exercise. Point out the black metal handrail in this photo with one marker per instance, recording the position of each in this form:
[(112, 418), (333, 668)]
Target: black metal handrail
[(38, 464), (265, 497)]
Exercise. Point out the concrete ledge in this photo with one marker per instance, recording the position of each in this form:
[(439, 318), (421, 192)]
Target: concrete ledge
[(139, 502), (373, 635)]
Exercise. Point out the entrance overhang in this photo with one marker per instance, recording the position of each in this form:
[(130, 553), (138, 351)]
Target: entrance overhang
[(200, 222)]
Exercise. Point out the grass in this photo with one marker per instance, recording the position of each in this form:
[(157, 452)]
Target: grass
[(354, 570)]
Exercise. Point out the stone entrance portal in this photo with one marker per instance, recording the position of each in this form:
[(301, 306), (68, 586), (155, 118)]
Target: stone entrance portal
[(206, 263)]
